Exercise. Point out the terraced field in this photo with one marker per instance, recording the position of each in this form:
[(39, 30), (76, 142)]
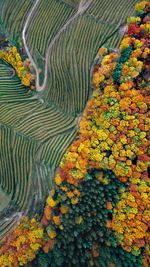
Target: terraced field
[(27, 155), (36, 128), (13, 14), (6, 71)]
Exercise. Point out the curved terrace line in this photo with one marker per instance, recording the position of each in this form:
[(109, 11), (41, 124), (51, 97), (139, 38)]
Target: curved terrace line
[(10, 77), (83, 6)]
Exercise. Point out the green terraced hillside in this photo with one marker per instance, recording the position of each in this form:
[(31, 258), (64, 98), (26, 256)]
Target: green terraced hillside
[(37, 127)]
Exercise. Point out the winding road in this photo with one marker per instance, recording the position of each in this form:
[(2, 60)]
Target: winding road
[(83, 6)]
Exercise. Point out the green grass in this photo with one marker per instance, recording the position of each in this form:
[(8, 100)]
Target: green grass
[(71, 2), (5, 199)]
